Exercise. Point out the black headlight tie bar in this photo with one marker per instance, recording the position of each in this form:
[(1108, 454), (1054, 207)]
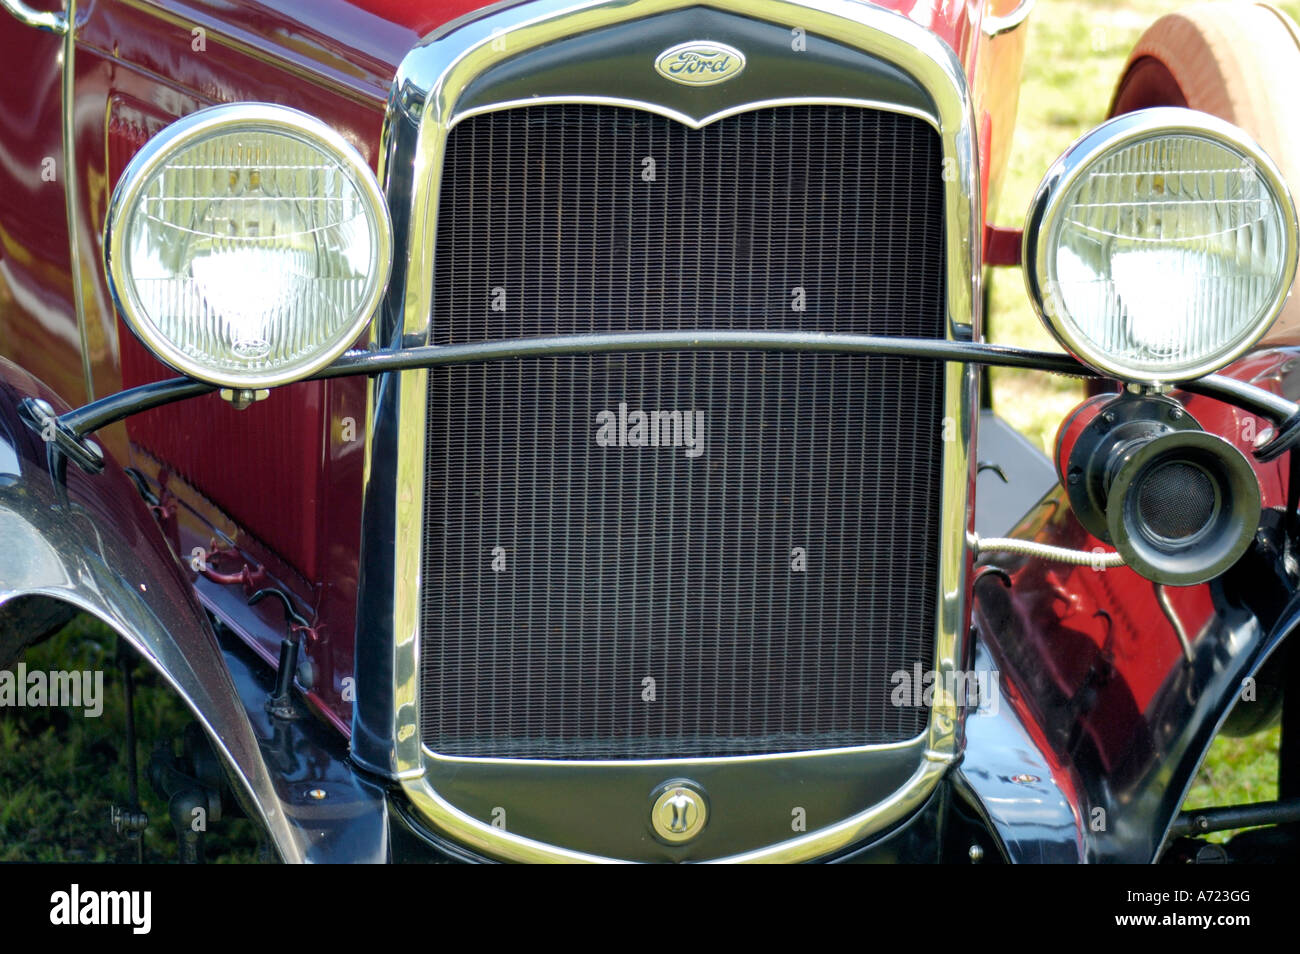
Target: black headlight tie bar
[(86, 420)]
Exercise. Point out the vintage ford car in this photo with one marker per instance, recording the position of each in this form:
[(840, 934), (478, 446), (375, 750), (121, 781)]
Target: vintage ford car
[(577, 405)]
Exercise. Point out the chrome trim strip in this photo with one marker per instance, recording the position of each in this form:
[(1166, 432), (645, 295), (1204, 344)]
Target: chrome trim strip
[(71, 188), (995, 26), (691, 121), (677, 763), (425, 93), (49, 22), (856, 828), (504, 844)]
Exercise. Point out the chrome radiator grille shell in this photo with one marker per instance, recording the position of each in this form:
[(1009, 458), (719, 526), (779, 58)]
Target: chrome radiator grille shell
[(549, 52)]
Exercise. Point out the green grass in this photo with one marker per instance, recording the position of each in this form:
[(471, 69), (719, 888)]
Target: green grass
[(60, 771), (1076, 49), (1237, 772)]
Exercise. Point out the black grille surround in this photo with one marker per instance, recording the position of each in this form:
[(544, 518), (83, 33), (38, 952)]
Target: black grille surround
[(559, 574)]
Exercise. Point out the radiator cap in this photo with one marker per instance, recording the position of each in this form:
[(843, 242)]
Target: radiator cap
[(680, 812)]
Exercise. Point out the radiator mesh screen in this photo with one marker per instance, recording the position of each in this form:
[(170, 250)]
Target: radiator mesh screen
[(585, 597)]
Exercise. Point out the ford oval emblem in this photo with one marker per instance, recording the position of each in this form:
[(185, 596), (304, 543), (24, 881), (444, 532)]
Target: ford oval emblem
[(700, 63)]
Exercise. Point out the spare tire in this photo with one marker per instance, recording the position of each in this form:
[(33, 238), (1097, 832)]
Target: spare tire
[(1240, 63)]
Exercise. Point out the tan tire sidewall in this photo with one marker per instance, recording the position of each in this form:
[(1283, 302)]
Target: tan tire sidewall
[(1240, 63)]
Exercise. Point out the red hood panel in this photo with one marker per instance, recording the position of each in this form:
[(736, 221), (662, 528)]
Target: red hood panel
[(950, 20), (358, 44)]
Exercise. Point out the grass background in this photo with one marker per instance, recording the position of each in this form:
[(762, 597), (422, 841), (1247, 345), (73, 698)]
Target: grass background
[(60, 772)]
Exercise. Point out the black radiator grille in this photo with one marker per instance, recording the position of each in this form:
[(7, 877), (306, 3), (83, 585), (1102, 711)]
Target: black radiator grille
[(560, 575)]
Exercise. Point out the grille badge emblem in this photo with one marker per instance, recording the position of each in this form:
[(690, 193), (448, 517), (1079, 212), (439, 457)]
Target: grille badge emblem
[(700, 63), (679, 813)]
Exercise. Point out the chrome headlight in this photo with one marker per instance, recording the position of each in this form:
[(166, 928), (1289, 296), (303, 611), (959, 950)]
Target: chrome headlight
[(247, 245), (1161, 246)]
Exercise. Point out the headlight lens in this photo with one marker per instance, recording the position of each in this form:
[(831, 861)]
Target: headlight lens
[(1161, 246), (248, 245)]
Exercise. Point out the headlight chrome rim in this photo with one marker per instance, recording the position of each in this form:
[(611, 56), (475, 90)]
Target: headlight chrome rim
[(192, 130), (1048, 206)]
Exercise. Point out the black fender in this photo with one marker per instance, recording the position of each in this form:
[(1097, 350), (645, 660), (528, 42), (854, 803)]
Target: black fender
[(89, 544)]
